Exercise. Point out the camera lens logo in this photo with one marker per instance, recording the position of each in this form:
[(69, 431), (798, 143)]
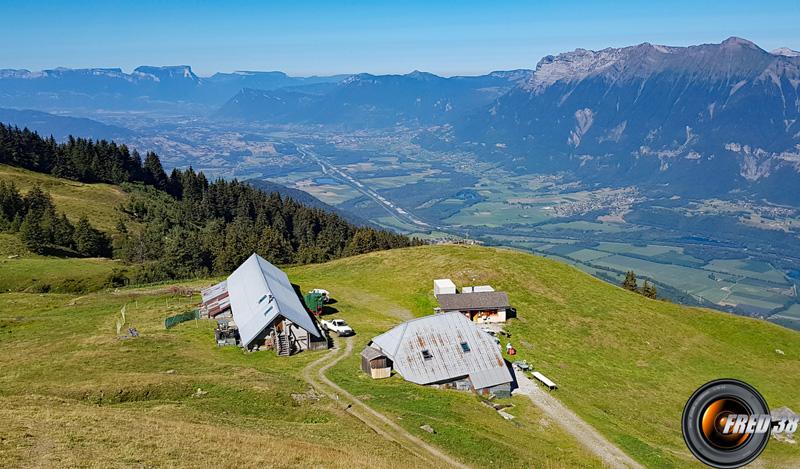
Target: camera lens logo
[(726, 423)]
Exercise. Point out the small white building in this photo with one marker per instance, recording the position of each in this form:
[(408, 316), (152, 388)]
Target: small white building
[(443, 286)]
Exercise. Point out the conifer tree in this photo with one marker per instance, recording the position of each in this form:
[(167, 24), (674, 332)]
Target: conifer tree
[(154, 172), (30, 231), (649, 290), (630, 282)]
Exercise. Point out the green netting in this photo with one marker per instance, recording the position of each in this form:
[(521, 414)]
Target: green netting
[(172, 321), (314, 302)]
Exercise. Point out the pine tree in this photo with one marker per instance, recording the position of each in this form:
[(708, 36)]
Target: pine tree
[(89, 241), (649, 290), (274, 247), (183, 255), (11, 202), (630, 282), (154, 172), (63, 232), (31, 233)]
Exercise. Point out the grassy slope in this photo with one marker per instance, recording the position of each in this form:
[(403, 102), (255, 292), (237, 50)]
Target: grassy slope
[(70, 392), (32, 272), (98, 202), (20, 270), (624, 363)]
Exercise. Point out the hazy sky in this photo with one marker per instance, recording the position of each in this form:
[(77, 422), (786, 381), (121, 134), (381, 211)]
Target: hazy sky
[(306, 37)]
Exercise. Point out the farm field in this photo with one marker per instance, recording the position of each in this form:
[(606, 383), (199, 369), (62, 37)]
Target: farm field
[(552, 213), (789, 318), (754, 287), (496, 214)]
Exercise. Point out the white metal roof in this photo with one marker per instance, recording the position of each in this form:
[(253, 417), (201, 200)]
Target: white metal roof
[(259, 293), (442, 336), (214, 291)]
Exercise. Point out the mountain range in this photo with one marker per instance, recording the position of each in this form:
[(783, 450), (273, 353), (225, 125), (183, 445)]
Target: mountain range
[(713, 118), (144, 88), (365, 100), (61, 127), (705, 120)]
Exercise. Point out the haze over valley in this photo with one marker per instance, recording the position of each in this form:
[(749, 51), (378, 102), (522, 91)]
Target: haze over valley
[(680, 163)]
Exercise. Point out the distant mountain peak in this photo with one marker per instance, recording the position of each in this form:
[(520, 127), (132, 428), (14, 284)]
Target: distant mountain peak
[(734, 41), (418, 75), (642, 60), (785, 52), (167, 72)]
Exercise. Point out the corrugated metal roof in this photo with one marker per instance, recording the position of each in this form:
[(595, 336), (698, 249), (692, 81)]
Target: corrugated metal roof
[(214, 291), (475, 300), (441, 337), (371, 353), (259, 293), (215, 299)]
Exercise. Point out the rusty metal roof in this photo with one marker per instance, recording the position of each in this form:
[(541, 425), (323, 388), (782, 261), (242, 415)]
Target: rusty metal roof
[(371, 353), (475, 300), (444, 347)]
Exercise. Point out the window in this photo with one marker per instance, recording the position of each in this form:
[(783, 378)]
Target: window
[(465, 347), (426, 354), (261, 300)]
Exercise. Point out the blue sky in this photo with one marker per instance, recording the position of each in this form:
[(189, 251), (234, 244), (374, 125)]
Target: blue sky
[(307, 37)]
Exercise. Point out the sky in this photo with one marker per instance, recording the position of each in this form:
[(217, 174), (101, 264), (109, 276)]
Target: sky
[(315, 37)]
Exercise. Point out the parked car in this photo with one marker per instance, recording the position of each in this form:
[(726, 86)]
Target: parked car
[(339, 326)]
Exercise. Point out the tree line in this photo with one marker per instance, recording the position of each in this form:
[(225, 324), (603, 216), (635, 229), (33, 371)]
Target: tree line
[(181, 225), (42, 229)]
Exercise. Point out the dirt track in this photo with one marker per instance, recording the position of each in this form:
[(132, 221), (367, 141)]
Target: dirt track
[(574, 425), (314, 374)]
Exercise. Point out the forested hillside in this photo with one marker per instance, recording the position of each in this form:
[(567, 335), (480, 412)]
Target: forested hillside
[(178, 225)]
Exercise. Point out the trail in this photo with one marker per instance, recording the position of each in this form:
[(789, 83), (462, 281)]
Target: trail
[(574, 425), (314, 374)]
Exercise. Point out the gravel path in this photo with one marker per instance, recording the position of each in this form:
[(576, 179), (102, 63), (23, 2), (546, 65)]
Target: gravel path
[(574, 425), (314, 374)]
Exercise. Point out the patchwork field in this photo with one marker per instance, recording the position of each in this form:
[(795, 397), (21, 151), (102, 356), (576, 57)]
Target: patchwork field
[(751, 286)]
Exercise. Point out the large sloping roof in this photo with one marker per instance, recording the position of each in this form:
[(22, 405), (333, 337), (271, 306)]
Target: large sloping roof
[(477, 300), (442, 336), (259, 293)]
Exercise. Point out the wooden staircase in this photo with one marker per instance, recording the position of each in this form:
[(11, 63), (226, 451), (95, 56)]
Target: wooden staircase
[(283, 345)]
